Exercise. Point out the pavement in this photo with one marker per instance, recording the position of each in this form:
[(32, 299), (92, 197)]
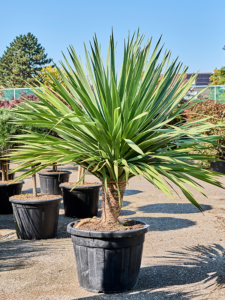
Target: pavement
[(183, 255)]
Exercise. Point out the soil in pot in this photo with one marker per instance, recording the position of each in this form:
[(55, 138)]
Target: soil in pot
[(108, 261), (122, 226), (50, 181), (36, 217), (81, 202), (6, 191)]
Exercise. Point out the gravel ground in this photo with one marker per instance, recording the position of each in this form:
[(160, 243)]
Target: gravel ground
[(183, 254)]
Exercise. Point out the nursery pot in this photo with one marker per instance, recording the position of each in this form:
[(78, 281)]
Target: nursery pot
[(36, 219), (218, 166), (50, 181), (107, 261), (81, 202), (7, 191), (10, 176)]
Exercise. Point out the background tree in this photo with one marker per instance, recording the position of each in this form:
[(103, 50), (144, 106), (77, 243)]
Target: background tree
[(218, 77), (44, 77), (22, 61)]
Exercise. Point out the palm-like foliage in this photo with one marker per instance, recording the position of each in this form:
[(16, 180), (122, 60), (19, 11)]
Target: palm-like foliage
[(119, 124)]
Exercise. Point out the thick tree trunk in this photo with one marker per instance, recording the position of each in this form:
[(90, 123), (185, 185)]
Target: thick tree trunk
[(111, 206)]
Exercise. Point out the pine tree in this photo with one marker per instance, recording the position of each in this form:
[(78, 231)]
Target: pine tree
[(22, 61)]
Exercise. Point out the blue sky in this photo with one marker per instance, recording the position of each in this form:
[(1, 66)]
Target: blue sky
[(192, 30)]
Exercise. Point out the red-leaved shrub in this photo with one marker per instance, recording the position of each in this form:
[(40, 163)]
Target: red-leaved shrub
[(216, 114)]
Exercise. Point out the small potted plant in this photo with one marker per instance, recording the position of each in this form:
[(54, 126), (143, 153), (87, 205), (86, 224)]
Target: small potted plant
[(8, 140), (118, 129), (36, 215), (51, 179), (83, 200), (7, 188)]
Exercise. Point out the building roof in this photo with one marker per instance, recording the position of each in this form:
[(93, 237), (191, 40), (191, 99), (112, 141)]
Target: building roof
[(202, 78)]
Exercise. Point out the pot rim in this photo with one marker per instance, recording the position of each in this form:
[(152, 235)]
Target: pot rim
[(69, 187), (54, 173), (106, 234), (8, 184), (11, 199)]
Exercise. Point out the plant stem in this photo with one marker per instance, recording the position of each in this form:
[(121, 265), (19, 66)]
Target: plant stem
[(34, 183), (54, 167), (6, 170), (79, 173), (82, 173), (3, 170)]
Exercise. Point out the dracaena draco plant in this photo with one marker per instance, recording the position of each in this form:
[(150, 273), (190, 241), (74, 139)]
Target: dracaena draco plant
[(119, 124)]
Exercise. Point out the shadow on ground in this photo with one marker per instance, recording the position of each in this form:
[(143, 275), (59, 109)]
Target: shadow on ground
[(172, 208), (7, 222), (198, 266), (131, 192), (127, 212), (62, 227), (21, 254), (30, 191), (165, 223)]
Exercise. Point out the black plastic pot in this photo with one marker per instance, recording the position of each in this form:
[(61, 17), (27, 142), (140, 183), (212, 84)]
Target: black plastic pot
[(218, 166), (11, 176), (6, 191), (82, 202), (50, 181), (36, 219), (107, 261)]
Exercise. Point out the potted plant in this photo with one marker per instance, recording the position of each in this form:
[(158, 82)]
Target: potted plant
[(83, 200), (215, 114), (116, 130), (36, 215), (8, 132), (51, 179), (7, 188)]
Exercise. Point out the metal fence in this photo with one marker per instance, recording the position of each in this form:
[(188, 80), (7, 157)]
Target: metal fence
[(10, 94), (213, 92)]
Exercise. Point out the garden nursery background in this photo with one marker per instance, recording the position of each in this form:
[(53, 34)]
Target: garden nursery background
[(112, 150)]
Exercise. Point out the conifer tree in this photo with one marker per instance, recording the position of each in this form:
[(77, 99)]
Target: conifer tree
[(22, 61)]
